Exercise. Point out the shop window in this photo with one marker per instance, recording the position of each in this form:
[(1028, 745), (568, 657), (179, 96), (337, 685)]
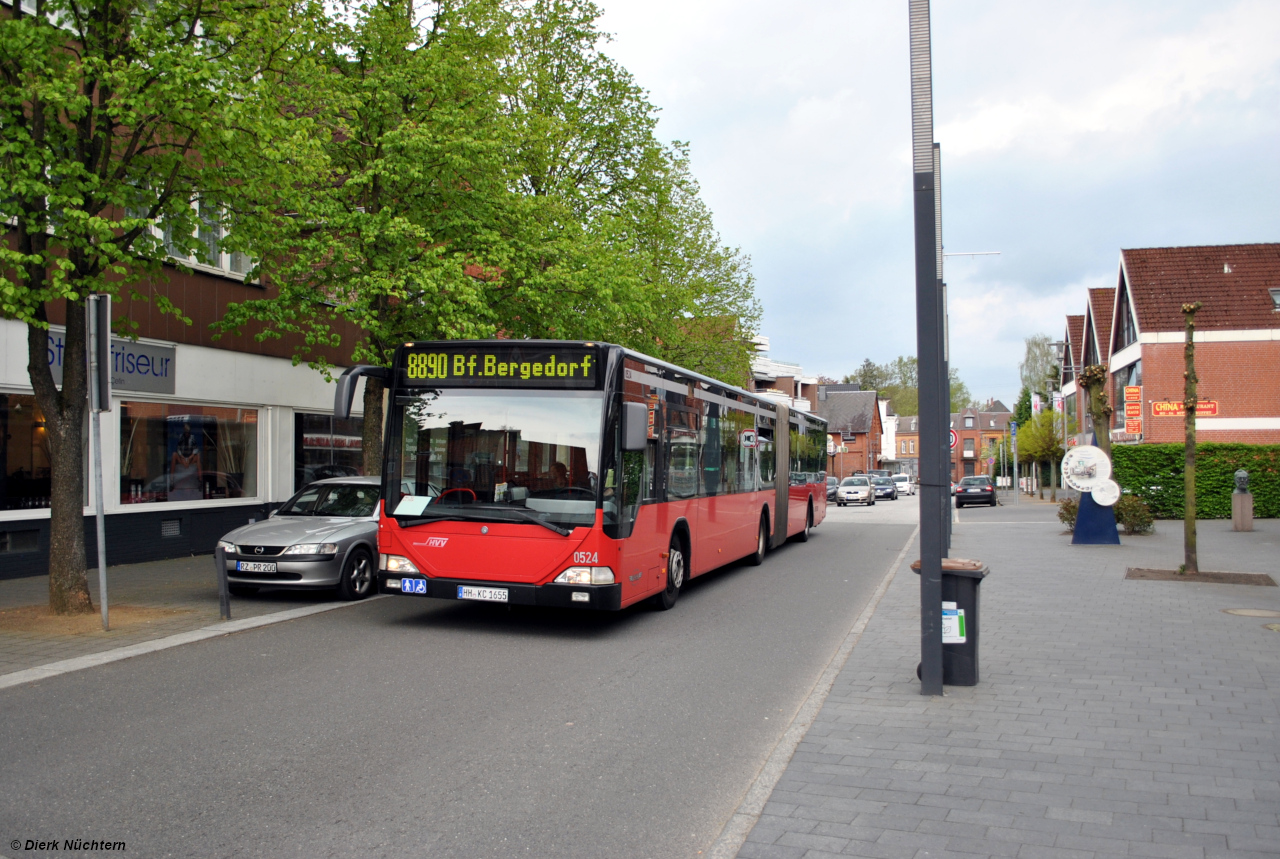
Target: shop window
[(326, 447), (183, 452), (24, 454)]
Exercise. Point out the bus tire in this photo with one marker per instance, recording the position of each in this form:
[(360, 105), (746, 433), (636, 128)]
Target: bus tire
[(676, 574), (756, 558), (357, 579), (803, 536)]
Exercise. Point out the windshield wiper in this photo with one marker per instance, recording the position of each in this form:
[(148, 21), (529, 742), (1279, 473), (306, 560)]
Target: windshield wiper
[(458, 515)]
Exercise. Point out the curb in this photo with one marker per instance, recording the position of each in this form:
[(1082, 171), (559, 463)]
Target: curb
[(735, 831), (78, 663)]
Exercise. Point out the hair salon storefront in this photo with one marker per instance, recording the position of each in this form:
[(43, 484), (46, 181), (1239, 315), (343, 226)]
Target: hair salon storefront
[(199, 441)]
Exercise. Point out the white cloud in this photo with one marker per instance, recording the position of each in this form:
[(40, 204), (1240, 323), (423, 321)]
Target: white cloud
[(1152, 82)]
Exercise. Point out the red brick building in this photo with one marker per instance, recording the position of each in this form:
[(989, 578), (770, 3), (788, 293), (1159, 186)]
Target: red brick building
[(1140, 336), (853, 426)]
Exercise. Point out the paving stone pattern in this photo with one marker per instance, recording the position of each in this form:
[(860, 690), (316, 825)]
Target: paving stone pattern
[(187, 584), (1113, 717)]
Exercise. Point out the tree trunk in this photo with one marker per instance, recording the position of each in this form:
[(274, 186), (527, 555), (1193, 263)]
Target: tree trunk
[(1191, 562), (1053, 478), (64, 413), (371, 438)]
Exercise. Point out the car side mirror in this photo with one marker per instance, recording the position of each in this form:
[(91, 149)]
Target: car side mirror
[(635, 426)]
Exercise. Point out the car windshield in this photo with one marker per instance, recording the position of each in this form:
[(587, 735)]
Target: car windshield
[(356, 500), (499, 455), (901, 478), (854, 481), (975, 481), (882, 481), (831, 481)]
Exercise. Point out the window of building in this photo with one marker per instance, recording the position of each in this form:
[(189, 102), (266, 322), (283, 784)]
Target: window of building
[(24, 454), (209, 234), (968, 422), (903, 449), (186, 452), (913, 447), (324, 446), (1128, 332), (968, 446)]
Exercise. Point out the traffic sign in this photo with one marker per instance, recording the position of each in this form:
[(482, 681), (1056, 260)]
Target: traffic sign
[(955, 439), (1013, 428)]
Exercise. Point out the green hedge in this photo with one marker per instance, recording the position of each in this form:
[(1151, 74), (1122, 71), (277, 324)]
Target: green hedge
[(1153, 472)]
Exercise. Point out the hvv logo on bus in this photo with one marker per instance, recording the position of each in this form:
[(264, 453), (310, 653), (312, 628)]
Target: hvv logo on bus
[(134, 366)]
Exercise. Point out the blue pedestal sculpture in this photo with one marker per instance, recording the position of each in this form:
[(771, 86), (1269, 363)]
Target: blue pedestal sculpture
[(1095, 524)]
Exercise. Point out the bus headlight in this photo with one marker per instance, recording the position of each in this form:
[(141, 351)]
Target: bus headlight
[(586, 576), (397, 564)]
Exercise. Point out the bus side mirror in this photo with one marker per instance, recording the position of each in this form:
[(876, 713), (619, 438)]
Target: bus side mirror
[(635, 426), (346, 391)]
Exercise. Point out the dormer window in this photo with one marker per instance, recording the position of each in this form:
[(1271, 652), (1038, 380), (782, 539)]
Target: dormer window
[(1275, 298), (968, 422)]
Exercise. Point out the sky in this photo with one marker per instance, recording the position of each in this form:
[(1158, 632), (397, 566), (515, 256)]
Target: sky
[(1068, 131)]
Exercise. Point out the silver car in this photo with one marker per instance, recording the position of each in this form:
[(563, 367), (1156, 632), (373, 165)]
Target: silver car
[(325, 536)]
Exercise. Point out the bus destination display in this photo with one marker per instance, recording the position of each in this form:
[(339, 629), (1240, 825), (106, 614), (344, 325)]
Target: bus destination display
[(501, 366)]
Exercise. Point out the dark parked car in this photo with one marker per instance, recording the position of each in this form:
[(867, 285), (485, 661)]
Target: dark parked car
[(885, 488), (832, 483), (976, 490)]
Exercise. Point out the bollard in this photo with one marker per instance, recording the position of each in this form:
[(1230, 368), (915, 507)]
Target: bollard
[(224, 592)]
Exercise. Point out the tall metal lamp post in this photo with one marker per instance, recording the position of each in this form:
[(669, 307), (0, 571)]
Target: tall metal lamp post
[(930, 338)]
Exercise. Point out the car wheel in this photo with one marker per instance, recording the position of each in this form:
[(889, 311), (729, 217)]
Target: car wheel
[(356, 581), (242, 590), (675, 575), (756, 558)]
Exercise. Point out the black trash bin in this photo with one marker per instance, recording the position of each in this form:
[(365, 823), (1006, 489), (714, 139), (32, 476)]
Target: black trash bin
[(960, 584)]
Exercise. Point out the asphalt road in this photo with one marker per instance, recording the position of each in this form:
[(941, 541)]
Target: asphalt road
[(407, 727)]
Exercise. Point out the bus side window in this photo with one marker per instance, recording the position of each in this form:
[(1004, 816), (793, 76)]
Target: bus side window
[(765, 453)]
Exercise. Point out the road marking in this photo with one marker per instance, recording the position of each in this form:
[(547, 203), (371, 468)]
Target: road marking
[(66, 666), (735, 832)]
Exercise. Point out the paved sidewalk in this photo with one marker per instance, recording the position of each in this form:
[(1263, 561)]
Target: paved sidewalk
[(1113, 717), (186, 588)]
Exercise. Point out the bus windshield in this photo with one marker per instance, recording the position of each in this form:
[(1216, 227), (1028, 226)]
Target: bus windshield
[(498, 455)]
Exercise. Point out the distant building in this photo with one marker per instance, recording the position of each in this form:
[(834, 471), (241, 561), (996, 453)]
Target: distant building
[(854, 427), (1137, 329), (782, 381)]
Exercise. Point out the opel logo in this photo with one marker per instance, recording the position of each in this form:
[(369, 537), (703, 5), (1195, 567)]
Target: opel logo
[(257, 550)]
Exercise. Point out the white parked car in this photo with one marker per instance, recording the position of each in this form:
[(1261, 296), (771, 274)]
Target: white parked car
[(905, 486)]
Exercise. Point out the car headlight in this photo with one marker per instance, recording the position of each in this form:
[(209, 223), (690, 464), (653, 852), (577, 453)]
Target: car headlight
[(586, 576), (312, 549), (396, 564), (223, 544)]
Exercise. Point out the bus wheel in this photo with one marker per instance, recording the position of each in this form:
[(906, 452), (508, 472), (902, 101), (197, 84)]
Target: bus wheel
[(356, 581), (756, 558), (803, 536), (675, 575)]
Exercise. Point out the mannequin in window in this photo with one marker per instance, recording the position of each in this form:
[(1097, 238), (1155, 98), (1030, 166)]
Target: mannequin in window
[(184, 468)]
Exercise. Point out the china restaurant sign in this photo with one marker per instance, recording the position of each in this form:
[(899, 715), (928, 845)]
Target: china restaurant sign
[(1204, 408)]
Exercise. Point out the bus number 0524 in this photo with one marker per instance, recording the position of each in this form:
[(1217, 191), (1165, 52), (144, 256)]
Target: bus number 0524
[(586, 557)]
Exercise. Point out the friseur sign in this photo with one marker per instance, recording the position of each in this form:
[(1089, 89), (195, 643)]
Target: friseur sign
[(138, 367)]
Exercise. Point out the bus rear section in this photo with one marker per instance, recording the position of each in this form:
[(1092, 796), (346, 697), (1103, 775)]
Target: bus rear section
[(577, 475)]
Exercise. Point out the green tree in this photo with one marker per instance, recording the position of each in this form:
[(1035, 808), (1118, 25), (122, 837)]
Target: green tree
[(395, 214), (121, 116), (1022, 409)]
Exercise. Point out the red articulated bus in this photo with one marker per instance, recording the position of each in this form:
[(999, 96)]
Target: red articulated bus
[(579, 474)]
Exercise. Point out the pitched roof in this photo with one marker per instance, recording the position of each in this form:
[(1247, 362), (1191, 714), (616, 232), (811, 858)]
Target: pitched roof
[(1101, 302), (1232, 281), (982, 420), (848, 411), (1075, 336)]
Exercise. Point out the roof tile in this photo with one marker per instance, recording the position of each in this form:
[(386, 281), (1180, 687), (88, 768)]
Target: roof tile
[(1232, 281)]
